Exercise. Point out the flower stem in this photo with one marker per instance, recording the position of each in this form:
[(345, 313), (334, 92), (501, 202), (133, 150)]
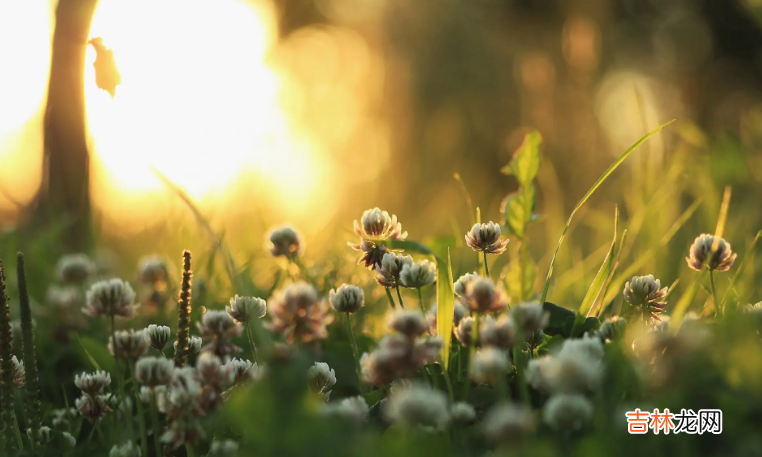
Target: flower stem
[(391, 299), (155, 424), (714, 293), (355, 353), (141, 416), (420, 300), (399, 296), (486, 268), (254, 352), (472, 351)]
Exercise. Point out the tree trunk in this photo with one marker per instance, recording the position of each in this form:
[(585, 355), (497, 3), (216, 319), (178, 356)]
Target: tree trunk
[(64, 194)]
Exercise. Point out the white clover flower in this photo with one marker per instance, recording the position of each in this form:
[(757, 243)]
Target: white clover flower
[(110, 298), (499, 334), (464, 331), (43, 434), (184, 391), (460, 286), (353, 408), (418, 275), (154, 371), (62, 297), (128, 449), (223, 448), (61, 417), (567, 412), (486, 238), (507, 422), (194, 345), (377, 225), (244, 309), (320, 378), (577, 367), (211, 370), (70, 441), (703, 253), (298, 313), (92, 383), (489, 366), (347, 299), (426, 350), (242, 371), (19, 373), (183, 430), (530, 317), (462, 413), (152, 270), (409, 323), (418, 406), (158, 336), (482, 296), (74, 268), (128, 344), (93, 408), (459, 312), (388, 271), (284, 241)]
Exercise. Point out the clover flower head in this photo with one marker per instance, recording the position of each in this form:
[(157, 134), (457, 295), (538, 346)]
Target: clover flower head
[(218, 324), (92, 407), (464, 331), (113, 297), (486, 238), (61, 418), (128, 344), (462, 413), (711, 252), (152, 270), (460, 286), (393, 359), (499, 334), (182, 431), (128, 449), (613, 328), (418, 406), (320, 378), (576, 367), (74, 268), (482, 296), (409, 323), (459, 312), (426, 350), (92, 383), (244, 309), (489, 366), (284, 241), (507, 422), (17, 368), (417, 275), (567, 412), (242, 371), (158, 336), (388, 271), (62, 297), (530, 317), (347, 298), (211, 370), (377, 225), (298, 313), (223, 448), (372, 253), (154, 371)]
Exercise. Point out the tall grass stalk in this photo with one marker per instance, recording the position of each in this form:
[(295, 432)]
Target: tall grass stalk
[(184, 311), (6, 352), (31, 383)]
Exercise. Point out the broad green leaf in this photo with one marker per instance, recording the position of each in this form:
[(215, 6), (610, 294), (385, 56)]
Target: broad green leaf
[(526, 160), (584, 199), (445, 305), (598, 282), (550, 343), (513, 278), (558, 316), (517, 209)]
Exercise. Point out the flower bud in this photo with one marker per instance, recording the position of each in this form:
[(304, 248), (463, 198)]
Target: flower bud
[(154, 371), (347, 299), (486, 238), (417, 275), (92, 383), (244, 309), (711, 252), (158, 336)]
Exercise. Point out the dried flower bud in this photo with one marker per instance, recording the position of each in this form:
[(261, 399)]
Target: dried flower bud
[(418, 406), (320, 378), (372, 253), (530, 317), (347, 299), (223, 448), (507, 422), (74, 268), (409, 323), (128, 449), (158, 336), (486, 238), (388, 271), (284, 241), (702, 254), (110, 298), (567, 412), (92, 383), (377, 225), (489, 366), (152, 270), (483, 297), (462, 413), (244, 309), (418, 275), (154, 371), (128, 344)]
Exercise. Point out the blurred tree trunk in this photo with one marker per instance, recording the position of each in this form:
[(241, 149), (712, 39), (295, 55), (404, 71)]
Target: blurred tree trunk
[(65, 195)]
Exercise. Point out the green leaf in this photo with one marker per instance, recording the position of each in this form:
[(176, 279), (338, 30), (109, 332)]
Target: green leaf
[(517, 209), (445, 305), (408, 246), (550, 343), (526, 160), (598, 282), (740, 269), (590, 192), (686, 299), (558, 316), (513, 278), (96, 353)]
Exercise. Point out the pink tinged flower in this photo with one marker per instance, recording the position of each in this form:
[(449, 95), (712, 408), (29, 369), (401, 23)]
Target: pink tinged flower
[(298, 313), (482, 296), (486, 238), (711, 252), (377, 225)]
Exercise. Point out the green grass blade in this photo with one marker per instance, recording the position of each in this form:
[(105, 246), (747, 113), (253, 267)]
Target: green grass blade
[(445, 306), (590, 192), (740, 269), (607, 284), (686, 299)]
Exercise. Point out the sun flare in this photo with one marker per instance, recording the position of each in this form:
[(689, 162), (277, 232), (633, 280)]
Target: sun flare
[(197, 101)]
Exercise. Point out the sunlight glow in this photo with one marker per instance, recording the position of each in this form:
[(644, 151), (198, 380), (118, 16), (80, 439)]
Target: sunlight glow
[(197, 100)]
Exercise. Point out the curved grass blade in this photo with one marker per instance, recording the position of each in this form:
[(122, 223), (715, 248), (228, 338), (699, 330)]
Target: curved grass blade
[(445, 306), (686, 299), (590, 192), (741, 267)]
